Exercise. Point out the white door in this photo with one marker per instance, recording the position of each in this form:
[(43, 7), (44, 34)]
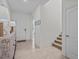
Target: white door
[(71, 41)]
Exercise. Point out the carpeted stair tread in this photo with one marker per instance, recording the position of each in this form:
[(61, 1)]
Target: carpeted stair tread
[(57, 46), (59, 38), (58, 41)]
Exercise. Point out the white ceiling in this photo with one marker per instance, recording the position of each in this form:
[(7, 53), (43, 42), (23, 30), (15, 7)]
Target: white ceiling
[(26, 7)]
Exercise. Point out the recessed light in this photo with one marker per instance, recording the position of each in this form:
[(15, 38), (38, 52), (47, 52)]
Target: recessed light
[(25, 0)]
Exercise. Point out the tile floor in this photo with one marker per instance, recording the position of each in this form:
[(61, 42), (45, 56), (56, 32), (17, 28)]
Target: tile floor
[(24, 51)]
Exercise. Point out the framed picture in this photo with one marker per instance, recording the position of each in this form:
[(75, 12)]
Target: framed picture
[(38, 22)]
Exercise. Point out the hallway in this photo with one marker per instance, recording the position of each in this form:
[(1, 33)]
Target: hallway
[(24, 51), (38, 29)]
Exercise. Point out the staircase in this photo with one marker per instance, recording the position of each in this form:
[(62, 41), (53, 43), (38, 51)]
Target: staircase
[(58, 43)]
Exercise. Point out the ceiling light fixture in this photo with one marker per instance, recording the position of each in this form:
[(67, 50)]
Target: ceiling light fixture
[(25, 0)]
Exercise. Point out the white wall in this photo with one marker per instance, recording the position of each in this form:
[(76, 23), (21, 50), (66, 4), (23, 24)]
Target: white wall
[(4, 13), (36, 13), (51, 22), (4, 3), (22, 21), (51, 25)]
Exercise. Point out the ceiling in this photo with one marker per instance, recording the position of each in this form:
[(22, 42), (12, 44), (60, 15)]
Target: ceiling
[(26, 7)]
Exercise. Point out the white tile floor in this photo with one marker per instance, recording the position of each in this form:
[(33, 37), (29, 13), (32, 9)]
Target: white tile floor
[(24, 51)]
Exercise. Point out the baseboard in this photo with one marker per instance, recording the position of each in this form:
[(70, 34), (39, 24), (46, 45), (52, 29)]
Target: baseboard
[(21, 41)]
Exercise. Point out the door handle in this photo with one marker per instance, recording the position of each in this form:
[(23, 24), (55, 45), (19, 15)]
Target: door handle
[(67, 36)]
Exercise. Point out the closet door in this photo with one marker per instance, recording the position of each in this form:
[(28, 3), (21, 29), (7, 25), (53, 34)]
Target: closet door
[(71, 38)]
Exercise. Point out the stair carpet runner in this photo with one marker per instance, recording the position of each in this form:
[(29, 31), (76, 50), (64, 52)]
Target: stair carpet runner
[(58, 43)]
